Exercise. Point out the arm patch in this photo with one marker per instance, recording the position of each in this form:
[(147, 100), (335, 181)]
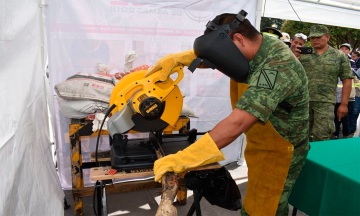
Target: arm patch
[(267, 79)]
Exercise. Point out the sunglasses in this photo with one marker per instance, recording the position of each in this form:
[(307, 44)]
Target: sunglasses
[(301, 35)]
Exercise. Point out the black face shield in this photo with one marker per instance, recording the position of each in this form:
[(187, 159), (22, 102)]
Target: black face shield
[(217, 50)]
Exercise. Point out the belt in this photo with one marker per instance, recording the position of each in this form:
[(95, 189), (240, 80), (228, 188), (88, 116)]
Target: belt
[(302, 143)]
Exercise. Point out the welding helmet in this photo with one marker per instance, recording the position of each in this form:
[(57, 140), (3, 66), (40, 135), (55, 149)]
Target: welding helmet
[(217, 50)]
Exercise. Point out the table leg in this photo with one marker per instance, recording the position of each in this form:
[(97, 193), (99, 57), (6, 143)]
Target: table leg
[(66, 205), (196, 204), (104, 206), (294, 212), (76, 170), (182, 191), (197, 197), (99, 198)]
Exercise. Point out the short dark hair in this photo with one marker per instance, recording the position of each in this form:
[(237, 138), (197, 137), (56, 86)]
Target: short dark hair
[(356, 53), (245, 28), (345, 46)]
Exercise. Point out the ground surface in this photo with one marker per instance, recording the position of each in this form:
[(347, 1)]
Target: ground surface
[(146, 202)]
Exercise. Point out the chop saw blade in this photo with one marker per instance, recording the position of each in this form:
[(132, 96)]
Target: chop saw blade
[(155, 104)]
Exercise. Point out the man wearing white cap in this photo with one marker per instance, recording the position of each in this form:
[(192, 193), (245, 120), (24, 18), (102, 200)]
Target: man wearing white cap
[(285, 38), (346, 48), (299, 40)]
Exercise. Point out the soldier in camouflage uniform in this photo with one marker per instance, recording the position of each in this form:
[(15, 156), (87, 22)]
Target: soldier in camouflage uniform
[(285, 104), (323, 67), (277, 93)]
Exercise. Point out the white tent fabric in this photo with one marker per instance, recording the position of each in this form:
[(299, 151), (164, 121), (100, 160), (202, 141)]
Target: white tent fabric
[(81, 33), (313, 13), (347, 4), (29, 182)]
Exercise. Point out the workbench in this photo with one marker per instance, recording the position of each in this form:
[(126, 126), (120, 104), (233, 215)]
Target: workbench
[(100, 174), (81, 127)]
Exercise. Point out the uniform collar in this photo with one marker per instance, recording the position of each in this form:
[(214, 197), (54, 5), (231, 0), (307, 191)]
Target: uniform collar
[(328, 51), (262, 53)]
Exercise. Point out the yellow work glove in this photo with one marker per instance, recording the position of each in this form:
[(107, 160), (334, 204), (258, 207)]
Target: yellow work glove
[(170, 61), (202, 152)]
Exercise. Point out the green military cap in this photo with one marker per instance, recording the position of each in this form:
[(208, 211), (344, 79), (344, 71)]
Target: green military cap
[(318, 31)]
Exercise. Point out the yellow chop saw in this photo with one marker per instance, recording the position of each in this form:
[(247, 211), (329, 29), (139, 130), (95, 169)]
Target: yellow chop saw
[(145, 105)]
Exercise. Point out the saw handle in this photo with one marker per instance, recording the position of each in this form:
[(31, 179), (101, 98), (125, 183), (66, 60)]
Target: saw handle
[(163, 93), (180, 71), (147, 85)]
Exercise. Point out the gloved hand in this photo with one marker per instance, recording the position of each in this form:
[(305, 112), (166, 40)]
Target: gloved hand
[(202, 152), (170, 61)]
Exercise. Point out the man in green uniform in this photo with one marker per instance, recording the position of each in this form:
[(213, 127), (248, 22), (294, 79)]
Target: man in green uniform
[(323, 68), (270, 106)]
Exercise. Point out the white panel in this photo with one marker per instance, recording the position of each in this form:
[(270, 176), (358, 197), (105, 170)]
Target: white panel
[(313, 13)]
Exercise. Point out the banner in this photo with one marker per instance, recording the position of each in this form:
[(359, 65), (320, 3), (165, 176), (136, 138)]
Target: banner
[(84, 32)]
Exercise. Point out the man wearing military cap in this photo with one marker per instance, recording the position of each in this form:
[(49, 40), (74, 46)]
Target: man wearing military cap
[(323, 67)]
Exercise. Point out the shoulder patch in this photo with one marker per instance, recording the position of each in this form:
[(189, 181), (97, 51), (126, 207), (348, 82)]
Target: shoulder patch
[(267, 79)]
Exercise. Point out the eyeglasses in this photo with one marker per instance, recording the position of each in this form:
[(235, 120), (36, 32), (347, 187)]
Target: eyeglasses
[(301, 35)]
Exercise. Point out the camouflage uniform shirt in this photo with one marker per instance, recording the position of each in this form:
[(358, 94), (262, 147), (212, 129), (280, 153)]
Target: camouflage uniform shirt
[(323, 71), (278, 90)]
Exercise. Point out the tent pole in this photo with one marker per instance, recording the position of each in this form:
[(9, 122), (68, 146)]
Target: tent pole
[(259, 10)]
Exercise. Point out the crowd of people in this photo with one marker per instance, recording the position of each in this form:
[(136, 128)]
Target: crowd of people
[(334, 86)]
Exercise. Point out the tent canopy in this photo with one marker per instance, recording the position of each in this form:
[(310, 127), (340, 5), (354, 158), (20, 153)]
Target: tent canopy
[(344, 13)]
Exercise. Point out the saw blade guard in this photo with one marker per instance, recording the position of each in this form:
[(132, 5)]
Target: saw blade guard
[(148, 96)]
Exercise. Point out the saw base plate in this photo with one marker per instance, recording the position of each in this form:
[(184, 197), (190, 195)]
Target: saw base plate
[(139, 153)]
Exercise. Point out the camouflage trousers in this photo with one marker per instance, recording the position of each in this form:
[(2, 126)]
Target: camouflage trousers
[(297, 163), (321, 120)]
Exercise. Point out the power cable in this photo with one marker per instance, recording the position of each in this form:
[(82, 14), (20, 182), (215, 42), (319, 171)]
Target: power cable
[(96, 152), (94, 207), (98, 137)]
